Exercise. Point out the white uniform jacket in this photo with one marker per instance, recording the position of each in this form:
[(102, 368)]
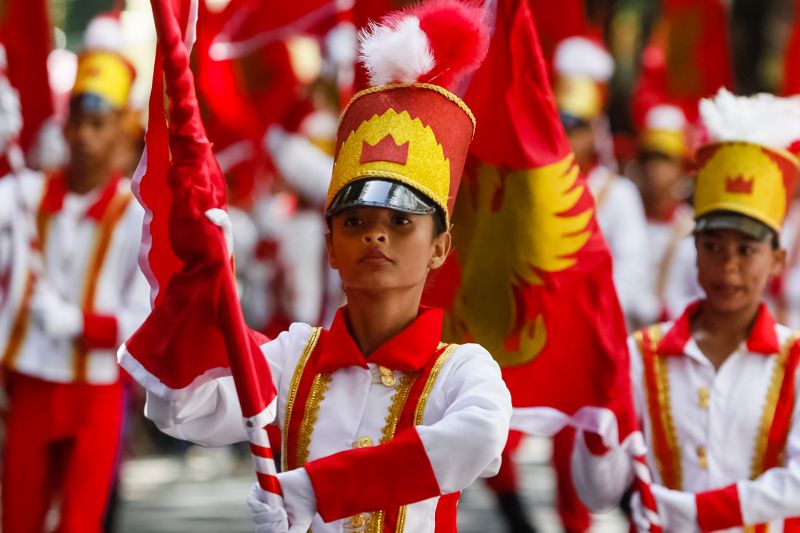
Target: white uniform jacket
[(387, 440), (730, 436), (86, 253), (620, 214)]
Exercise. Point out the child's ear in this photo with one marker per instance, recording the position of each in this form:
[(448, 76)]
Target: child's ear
[(778, 261), (329, 249), (441, 249)]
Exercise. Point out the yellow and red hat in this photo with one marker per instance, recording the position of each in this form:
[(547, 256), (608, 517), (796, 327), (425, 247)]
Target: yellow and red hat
[(105, 77), (665, 132), (746, 169), (402, 143), (583, 68)]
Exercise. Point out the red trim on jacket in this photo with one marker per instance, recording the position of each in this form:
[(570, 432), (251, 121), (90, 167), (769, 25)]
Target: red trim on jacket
[(99, 331), (408, 351), (719, 509), (56, 191), (446, 512), (782, 419), (762, 339), (668, 458), (292, 432), (367, 479), (407, 421)]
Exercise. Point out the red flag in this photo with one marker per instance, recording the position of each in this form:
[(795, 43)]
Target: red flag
[(555, 21), (245, 78), (533, 271), (791, 61), (27, 35), (195, 331), (687, 58)]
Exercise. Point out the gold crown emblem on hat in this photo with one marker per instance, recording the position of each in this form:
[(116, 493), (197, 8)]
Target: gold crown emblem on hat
[(739, 185), (387, 150), (394, 146)]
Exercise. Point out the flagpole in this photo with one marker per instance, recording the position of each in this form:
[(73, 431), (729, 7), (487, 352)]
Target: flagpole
[(187, 138)]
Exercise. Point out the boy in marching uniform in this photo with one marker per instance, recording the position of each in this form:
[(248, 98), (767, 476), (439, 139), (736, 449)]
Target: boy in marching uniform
[(382, 423), (716, 390), (83, 295), (583, 70), (663, 183)]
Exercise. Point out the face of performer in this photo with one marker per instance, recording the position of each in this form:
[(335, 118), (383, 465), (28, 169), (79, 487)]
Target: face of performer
[(660, 175), (92, 136), (380, 249), (581, 140), (734, 269)]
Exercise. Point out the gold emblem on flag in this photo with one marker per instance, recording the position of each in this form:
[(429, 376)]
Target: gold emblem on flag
[(535, 209)]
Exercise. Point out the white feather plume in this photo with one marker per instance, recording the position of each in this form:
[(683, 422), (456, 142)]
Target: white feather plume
[(395, 54), (103, 33), (3, 58), (665, 117), (579, 56), (762, 119)]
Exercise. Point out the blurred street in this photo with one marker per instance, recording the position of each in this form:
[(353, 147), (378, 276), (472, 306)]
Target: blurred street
[(162, 495)]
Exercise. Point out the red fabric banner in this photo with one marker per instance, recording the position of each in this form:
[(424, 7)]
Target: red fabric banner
[(530, 277), (195, 331), (26, 33)]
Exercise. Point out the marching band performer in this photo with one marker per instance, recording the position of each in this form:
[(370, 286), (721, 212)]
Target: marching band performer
[(716, 389), (663, 183), (382, 423), (82, 296)]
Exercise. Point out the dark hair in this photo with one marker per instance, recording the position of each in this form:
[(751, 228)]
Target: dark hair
[(439, 224)]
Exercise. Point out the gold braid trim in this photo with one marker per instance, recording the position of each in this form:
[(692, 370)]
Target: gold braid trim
[(426, 392), (661, 401), (770, 405), (398, 404), (315, 397), (420, 412), (298, 374), (374, 522)]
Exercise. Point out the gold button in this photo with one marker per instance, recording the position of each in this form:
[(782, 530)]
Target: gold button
[(363, 442), (389, 380), (703, 397), (702, 457), (385, 371)]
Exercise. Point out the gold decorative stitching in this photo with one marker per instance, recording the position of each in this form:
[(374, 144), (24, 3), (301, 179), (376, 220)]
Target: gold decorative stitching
[(398, 404), (375, 520), (664, 403), (420, 412), (426, 392), (768, 415), (296, 377), (315, 397)]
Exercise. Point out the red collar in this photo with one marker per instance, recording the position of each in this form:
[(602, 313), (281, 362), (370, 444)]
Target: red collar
[(762, 340), (56, 191), (407, 351)]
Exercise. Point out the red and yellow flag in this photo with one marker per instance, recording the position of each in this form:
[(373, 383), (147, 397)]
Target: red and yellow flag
[(530, 277)]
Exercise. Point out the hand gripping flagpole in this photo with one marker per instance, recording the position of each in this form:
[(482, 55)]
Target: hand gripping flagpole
[(205, 189)]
